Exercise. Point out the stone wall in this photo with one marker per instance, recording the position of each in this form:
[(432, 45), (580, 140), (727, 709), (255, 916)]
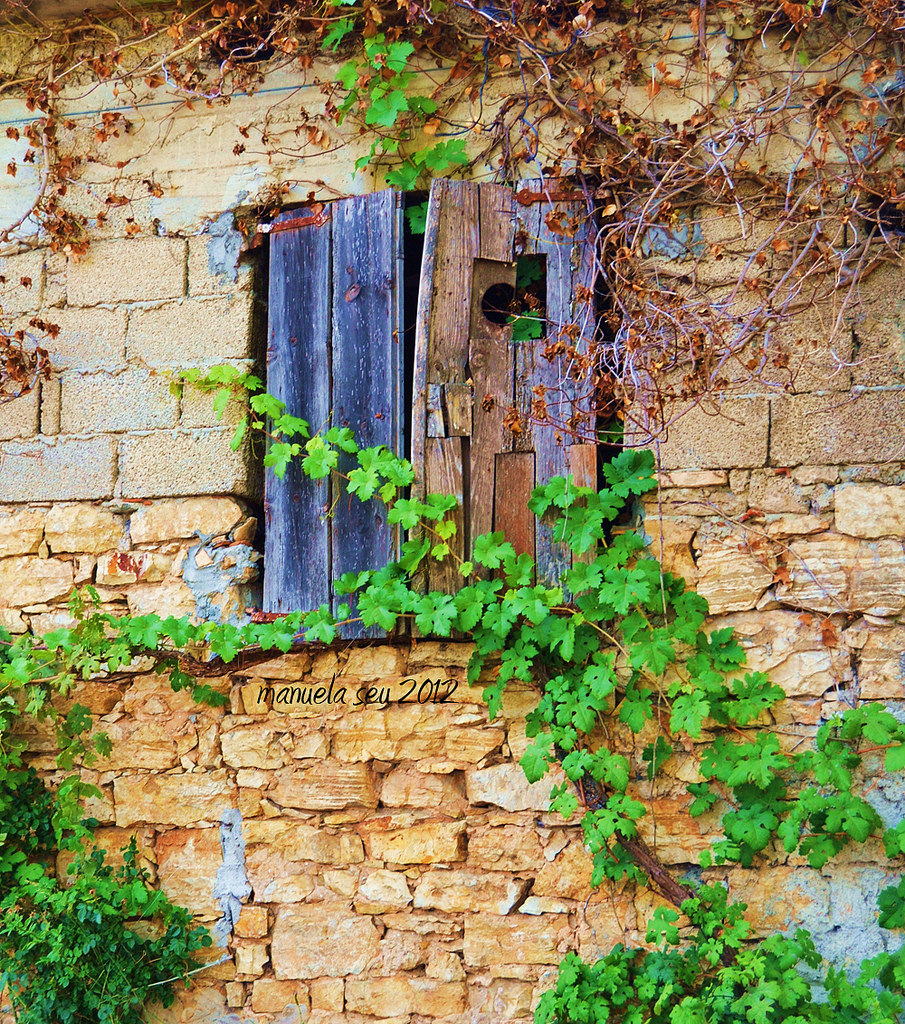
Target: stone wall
[(389, 862)]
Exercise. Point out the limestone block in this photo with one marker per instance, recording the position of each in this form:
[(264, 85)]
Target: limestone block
[(214, 329), (404, 787), (327, 785), (151, 744), (12, 621), (790, 648), (881, 661), (444, 966), (455, 891), (503, 999), (567, 875), (731, 433), (19, 416), (327, 994), (255, 746), (870, 510), (321, 942), (183, 518), (389, 997), (732, 574), (401, 732), (518, 938), (173, 799), (251, 959), (120, 568), (151, 695), (470, 744), (297, 841), (168, 463), (437, 842), (21, 531), (82, 527), (89, 339), (381, 891), (605, 922), (670, 544), (187, 864), (783, 527), (505, 848), (821, 429), (126, 270), (432, 653), (505, 785), (252, 923), (271, 996), (58, 469), (671, 832), (274, 879), (169, 597), (196, 408), (832, 573), (373, 663), (27, 580)]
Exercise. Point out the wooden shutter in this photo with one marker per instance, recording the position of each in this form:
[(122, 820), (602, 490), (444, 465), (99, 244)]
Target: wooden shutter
[(469, 376), (335, 357)]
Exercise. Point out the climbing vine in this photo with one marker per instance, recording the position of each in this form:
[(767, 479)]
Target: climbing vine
[(616, 641)]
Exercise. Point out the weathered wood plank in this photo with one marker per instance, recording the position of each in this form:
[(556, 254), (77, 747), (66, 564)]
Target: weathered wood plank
[(583, 467), (490, 359), (445, 474), (435, 425), (514, 483), (367, 385), (296, 547), (457, 411)]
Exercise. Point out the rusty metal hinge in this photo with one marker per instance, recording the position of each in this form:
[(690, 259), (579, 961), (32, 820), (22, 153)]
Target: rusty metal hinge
[(526, 197), (317, 217)]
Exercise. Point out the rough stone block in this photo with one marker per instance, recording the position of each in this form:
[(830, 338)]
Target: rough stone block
[(197, 409), (89, 339), (327, 994), (408, 788), (381, 891), (192, 332), (274, 879), (321, 942), (881, 660), (21, 531), (832, 573), (731, 573), (26, 580), (251, 959), (252, 923), (505, 785), (455, 891), (64, 469), (399, 732), (127, 270), (271, 996), (183, 518), (439, 842), (505, 848), (790, 648), (297, 841), (103, 402), (83, 528), (492, 940), (326, 785), (169, 597), (19, 417), (822, 429), (733, 433), (870, 510), (155, 745), (390, 997), (173, 799), (503, 999), (119, 568), (187, 864), (181, 462)]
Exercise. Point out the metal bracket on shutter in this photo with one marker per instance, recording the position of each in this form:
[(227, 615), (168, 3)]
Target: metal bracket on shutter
[(316, 219), (526, 197)]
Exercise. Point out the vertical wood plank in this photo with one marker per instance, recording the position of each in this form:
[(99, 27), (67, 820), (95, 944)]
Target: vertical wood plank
[(445, 474), (569, 266), (514, 483), (296, 546), (583, 467), (368, 365)]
